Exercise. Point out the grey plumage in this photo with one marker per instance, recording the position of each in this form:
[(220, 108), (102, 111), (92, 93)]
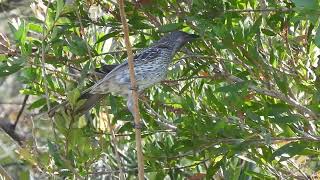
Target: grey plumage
[(150, 66)]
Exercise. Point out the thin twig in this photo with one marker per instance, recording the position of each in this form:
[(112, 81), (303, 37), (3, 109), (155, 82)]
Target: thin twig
[(304, 175), (86, 41), (302, 109), (21, 110), (194, 164), (44, 72), (56, 71), (115, 52), (10, 103), (215, 141), (134, 91), (115, 145), (259, 10), (143, 134), (161, 120), (189, 78), (4, 174), (33, 134)]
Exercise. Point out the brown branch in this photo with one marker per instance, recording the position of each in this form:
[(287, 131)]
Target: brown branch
[(21, 110), (8, 128), (134, 91)]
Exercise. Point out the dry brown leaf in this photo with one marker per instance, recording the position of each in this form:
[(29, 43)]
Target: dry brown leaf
[(4, 40), (3, 49), (203, 73), (198, 176)]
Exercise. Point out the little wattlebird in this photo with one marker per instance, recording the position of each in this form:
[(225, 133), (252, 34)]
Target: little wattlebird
[(150, 66)]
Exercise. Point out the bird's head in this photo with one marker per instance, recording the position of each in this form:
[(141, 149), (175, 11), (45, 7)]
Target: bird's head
[(177, 39)]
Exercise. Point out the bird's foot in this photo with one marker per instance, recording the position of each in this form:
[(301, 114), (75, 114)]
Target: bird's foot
[(137, 126), (134, 88)]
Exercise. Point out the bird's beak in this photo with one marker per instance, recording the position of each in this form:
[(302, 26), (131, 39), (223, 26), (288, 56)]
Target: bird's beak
[(192, 37)]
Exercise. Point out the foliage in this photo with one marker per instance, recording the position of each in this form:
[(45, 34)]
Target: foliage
[(244, 98)]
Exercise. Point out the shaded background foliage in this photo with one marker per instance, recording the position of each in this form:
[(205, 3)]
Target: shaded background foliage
[(242, 102)]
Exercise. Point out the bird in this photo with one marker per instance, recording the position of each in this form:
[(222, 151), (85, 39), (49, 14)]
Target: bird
[(150, 66)]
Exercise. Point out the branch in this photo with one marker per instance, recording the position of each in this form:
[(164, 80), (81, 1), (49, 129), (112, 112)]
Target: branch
[(115, 52), (134, 91), (8, 128), (189, 78), (275, 94), (115, 144), (259, 10), (214, 141), (146, 133), (42, 59), (4, 174), (21, 110), (86, 41), (161, 120)]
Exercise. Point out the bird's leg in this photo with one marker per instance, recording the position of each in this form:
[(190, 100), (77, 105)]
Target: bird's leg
[(136, 88), (130, 106)]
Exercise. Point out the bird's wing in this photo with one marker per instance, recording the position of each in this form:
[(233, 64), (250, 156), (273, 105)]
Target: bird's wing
[(107, 77), (144, 56)]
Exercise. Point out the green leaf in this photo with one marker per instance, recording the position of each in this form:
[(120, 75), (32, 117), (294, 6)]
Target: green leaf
[(307, 4), (73, 96), (61, 124), (212, 100), (73, 136), (3, 57), (292, 118), (170, 27), (54, 152), (6, 70), (24, 175), (268, 32), (27, 155), (214, 167), (282, 82), (258, 175), (255, 28), (38, 103), (108, 36), (233, 87), (317, 37), (20, 33), (35, 27), (78, 46), (60, 5), (50, 18), (292, 149)]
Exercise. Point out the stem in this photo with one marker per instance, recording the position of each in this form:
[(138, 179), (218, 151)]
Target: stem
[(21, 110), (44, 72), (134, 91), (4, 174), (115, 145)]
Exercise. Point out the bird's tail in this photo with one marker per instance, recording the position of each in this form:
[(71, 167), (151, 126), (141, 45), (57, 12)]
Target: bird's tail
[(90, 101)]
